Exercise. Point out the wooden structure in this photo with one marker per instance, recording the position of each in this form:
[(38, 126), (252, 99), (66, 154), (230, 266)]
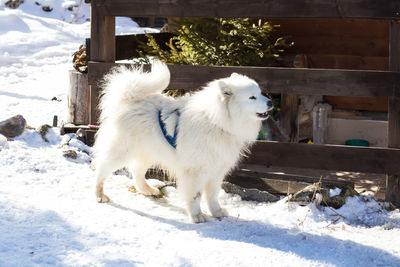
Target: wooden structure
[(289, 81), (78, 98), (340, 44)]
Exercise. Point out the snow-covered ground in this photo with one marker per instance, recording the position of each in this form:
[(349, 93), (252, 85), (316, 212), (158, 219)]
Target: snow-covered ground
[(48, 212)]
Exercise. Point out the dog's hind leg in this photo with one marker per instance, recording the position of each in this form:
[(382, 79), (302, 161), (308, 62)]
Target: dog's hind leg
[(105, 166), (102, 172), (138, 170)]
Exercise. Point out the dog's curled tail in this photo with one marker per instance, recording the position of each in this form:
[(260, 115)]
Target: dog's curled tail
[(123, 84)]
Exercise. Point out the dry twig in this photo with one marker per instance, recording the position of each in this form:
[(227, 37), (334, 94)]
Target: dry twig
[(317, 187)]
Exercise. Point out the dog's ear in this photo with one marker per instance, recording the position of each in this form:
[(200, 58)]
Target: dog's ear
[(234, 75), (225, 88)]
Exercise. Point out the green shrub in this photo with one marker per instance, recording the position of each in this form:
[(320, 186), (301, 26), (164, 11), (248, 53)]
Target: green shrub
[(223, 42)]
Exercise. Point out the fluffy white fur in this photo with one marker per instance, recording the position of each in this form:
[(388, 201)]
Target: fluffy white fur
[(216, 127)]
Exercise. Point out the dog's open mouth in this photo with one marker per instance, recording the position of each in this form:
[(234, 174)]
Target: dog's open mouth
[(262, 115)]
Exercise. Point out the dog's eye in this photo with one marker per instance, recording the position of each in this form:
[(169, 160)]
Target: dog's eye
[(252, 97)]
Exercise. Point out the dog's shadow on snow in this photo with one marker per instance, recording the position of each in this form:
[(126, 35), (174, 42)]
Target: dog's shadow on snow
[(322, 248)]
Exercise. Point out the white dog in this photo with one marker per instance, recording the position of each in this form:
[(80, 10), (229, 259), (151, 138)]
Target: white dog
[(197, 138)]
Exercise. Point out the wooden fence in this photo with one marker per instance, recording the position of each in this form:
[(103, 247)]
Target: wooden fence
[(277, 80)]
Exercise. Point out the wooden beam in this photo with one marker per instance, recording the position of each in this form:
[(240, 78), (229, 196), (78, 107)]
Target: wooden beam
[(102, 49), (326, 157), (290, 110), (366, 9), (102, 36), (358, 103), (272, 185), (126, 46), (280, 80), (279, 183), (393, 181), (290, 116), (394, 46)]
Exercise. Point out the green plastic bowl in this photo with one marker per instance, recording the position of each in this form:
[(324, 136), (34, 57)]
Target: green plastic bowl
[(357, 142)]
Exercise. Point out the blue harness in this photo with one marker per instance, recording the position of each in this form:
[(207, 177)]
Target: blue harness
[(170, 139)]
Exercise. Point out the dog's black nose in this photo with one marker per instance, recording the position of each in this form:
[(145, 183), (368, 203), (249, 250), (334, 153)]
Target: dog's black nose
[(269, 104)]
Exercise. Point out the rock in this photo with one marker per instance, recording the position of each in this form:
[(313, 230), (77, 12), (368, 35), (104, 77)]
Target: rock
[(304, 197), (43, 130), (13, 3), (13, 126), (72, 154), (47, 8), (249, 194), (81, 135), (339, 200)]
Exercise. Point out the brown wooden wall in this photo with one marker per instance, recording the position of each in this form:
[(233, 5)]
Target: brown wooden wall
[(341, 44)]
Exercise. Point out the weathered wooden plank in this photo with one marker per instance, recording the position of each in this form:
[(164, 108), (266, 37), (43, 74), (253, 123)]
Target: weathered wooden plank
[(363, 38), (358, 103), (393, 181), (280, 80), (293, 174), (126, 45), (342, 45), (279, 183), (394, 46), (326, 157), (102, 49), (367, 9), (290, 107), (94, 113), (394, 122), (102, 35), (109, 39), (266, 183), (360, 29), (289, 116), (78, 98), (350, 62)]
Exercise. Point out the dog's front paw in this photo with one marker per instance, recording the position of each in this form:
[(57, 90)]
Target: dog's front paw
[(103, 198), (198, 218), (219, 213)]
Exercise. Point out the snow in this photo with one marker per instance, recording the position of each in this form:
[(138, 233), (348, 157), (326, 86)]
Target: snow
[(48, 212), (334, 192), (3, 142)]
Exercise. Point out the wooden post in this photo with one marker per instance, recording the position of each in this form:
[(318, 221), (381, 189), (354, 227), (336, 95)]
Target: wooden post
[(102, 48), (78, 98), (393, 181), (290, 106), (289, 116)]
